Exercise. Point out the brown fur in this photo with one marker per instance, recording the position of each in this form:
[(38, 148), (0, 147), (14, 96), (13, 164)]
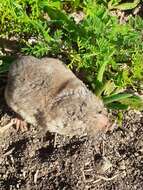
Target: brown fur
[(46, 93)]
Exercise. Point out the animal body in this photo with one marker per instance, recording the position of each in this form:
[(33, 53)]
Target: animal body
[(44, 92)]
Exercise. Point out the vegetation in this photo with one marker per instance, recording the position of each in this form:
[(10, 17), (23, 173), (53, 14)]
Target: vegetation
[(109, 53)]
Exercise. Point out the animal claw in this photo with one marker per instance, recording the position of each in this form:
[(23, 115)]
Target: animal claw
[(20, 124)]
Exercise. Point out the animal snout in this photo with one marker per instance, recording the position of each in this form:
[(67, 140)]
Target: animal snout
[(103, 121)]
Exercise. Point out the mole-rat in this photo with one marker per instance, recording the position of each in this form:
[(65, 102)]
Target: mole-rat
[(45, 93)]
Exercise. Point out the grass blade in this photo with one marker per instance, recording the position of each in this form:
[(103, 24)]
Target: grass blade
[(116, 97)]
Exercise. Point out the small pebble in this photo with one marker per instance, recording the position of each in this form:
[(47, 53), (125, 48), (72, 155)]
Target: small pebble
[(122, 165), (102, 165)]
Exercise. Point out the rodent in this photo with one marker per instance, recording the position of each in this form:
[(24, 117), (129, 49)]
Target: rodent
[(44, 92)]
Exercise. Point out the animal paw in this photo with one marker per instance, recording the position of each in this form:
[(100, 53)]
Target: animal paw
[(20, 124)]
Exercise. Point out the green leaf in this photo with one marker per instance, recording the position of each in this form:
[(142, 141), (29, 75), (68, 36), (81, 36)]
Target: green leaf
[(117, 106), (109, 87), (134, 102), (123, 101), (5, 63), (98, 87), (124, 6), (103, 66), (116, 97), (101, 71)]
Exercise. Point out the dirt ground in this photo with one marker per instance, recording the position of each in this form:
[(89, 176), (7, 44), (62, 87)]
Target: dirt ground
[(36, 160)]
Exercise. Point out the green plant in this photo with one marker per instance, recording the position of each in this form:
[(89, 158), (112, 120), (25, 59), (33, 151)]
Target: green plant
[(109, 53), (117, 4)]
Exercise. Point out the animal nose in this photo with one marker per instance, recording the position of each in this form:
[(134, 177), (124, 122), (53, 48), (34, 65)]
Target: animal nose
[(104, 121)]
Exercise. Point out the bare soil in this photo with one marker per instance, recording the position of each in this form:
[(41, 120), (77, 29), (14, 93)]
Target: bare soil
[(35, 160)]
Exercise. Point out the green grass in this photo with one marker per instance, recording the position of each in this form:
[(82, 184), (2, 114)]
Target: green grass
[(109, 53)]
